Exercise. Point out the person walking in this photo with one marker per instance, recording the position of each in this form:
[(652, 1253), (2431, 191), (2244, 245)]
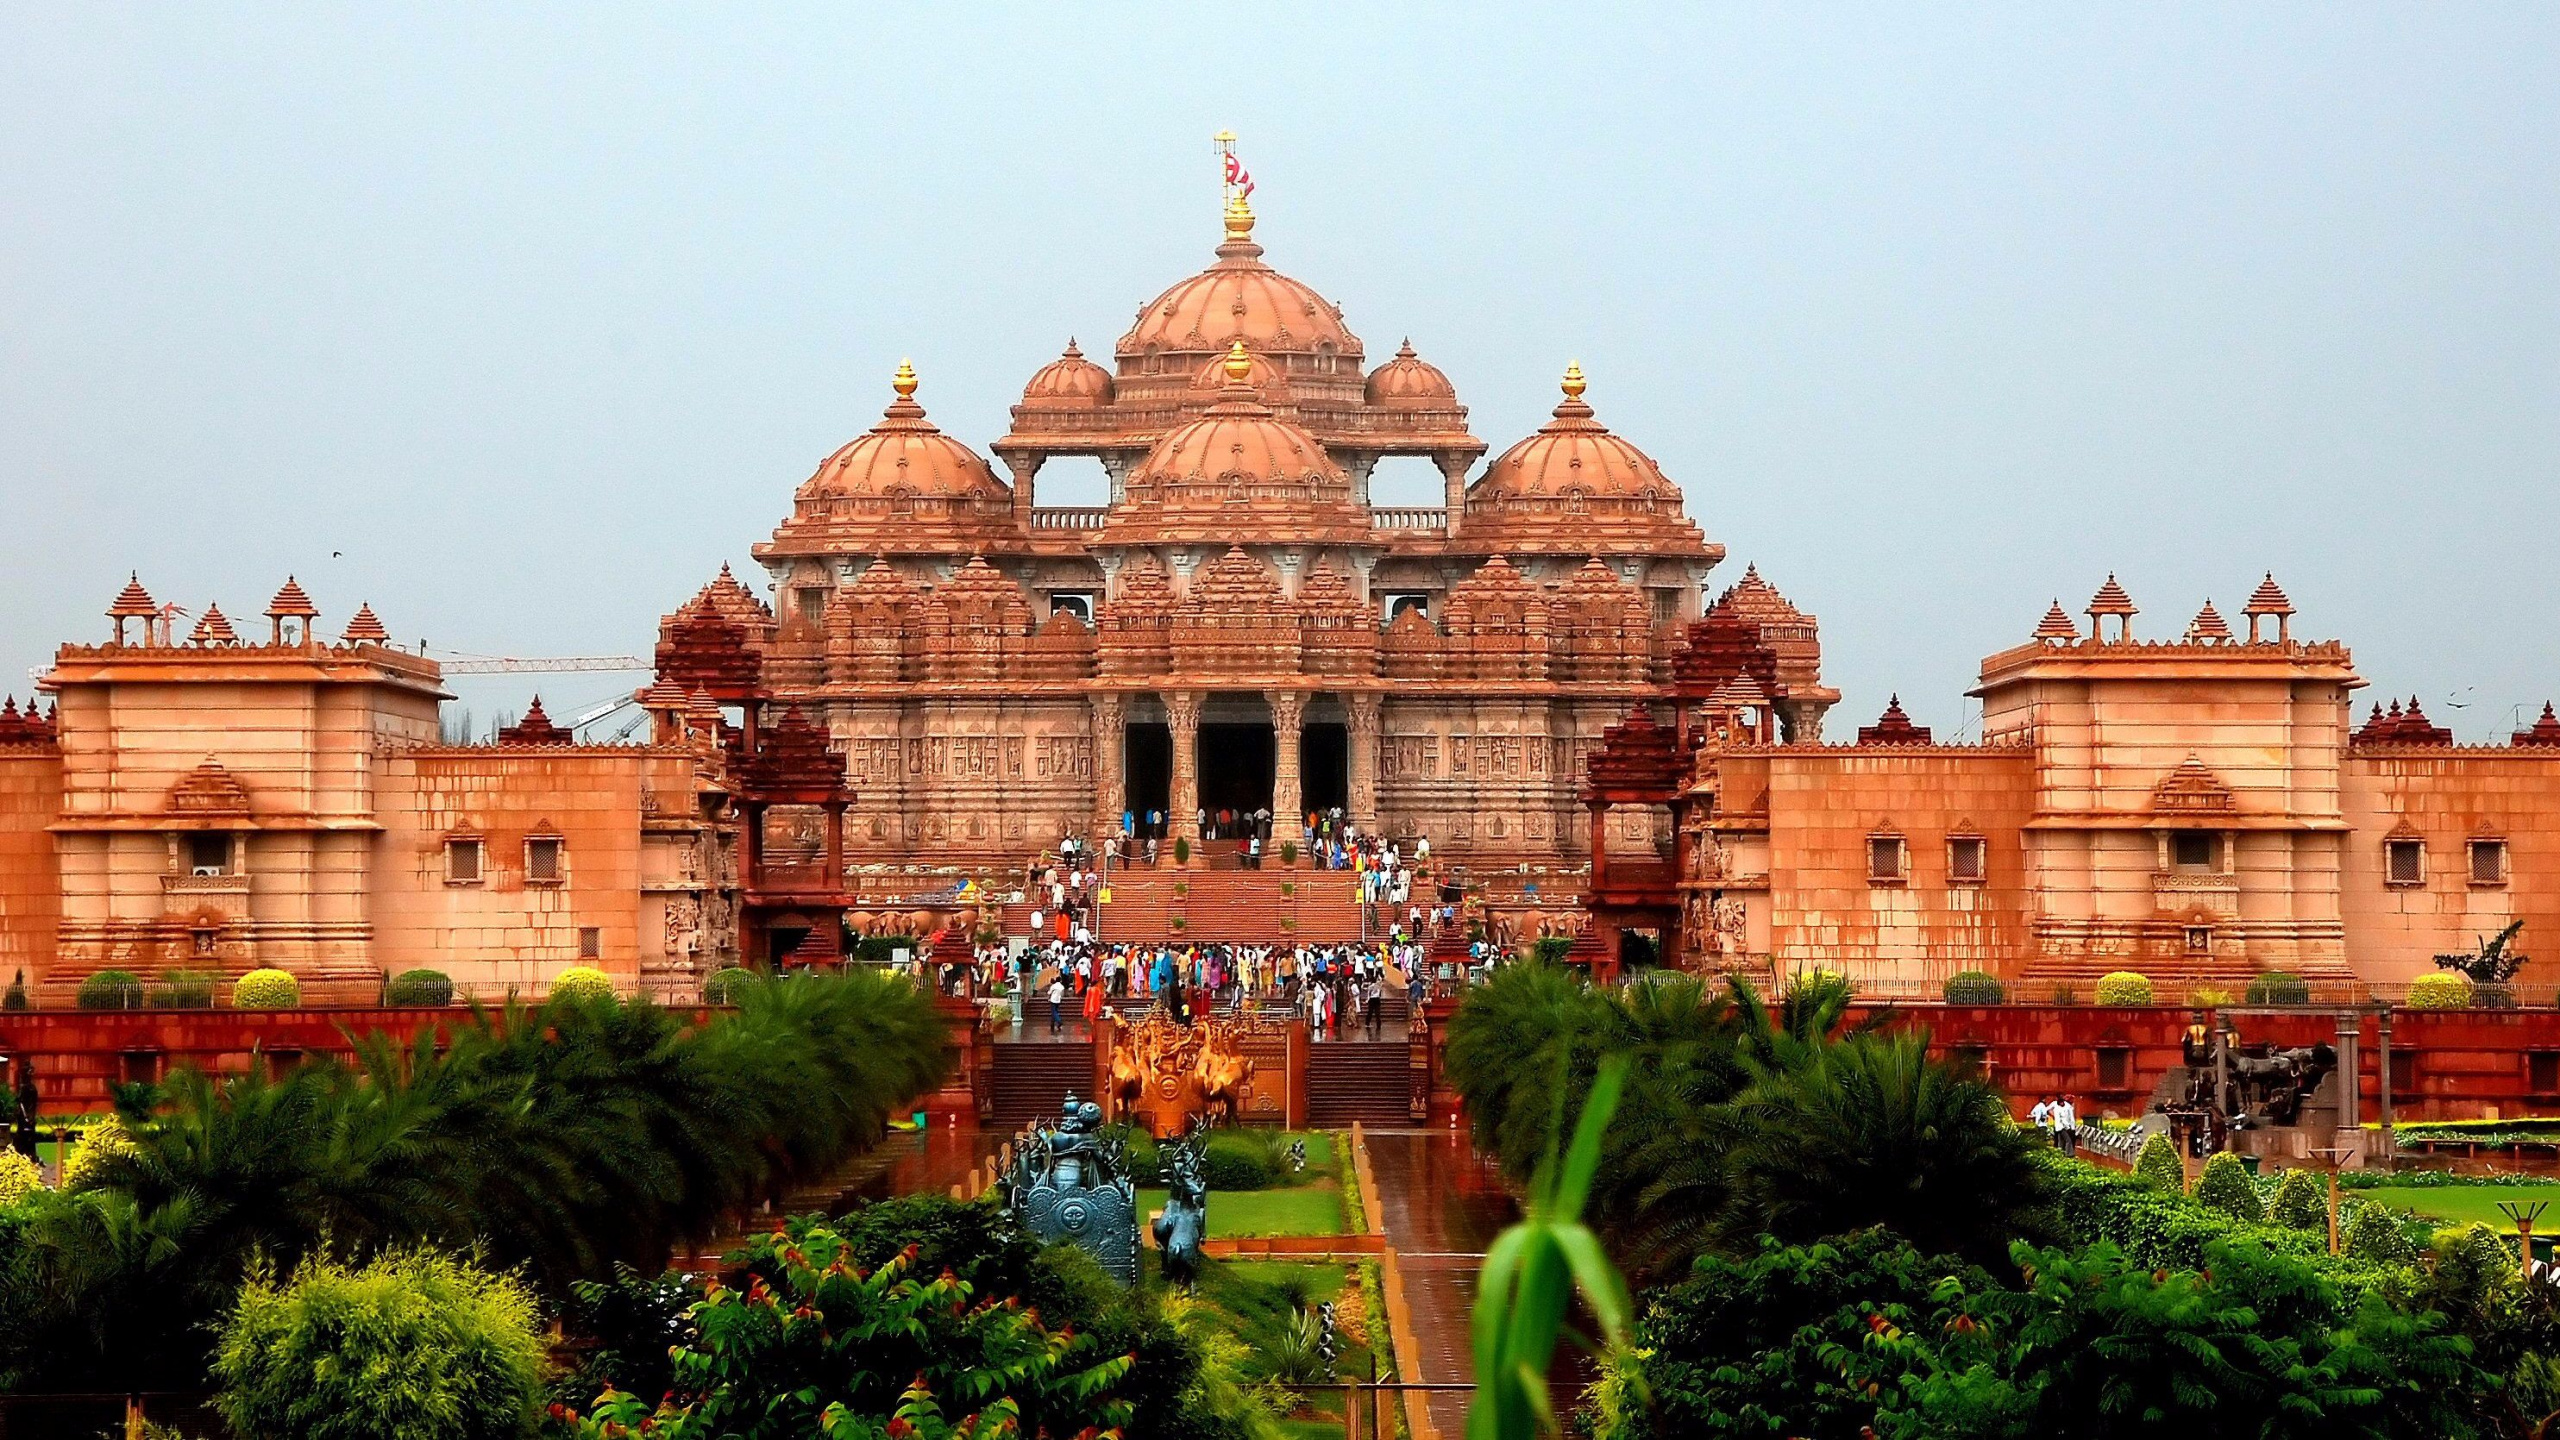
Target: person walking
[(1057, 998), (2066, 1125)]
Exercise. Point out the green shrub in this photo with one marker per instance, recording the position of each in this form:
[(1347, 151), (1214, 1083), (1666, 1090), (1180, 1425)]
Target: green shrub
[(896, 1340), (1236, 1164), (419, 987), (2124, 987), (725, 987), (581, 985), (2277, 987), (2160, 1165), (266, 990), (2227, 1186), (882, 949), (111, 990), (416, 1345), (2301, 1203), (1181, 850), (2444, 991), (1975, 987), (99, 1144), (183, 990), (1288, 852), (2374, 1232), (1551, 949)]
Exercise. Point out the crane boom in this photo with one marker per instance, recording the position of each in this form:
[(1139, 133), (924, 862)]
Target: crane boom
[(534, 665)]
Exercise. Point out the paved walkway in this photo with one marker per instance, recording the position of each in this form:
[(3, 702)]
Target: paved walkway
[(1443, 1207)]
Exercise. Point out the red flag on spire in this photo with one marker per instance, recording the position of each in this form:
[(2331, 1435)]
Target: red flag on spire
[(1237, 176)]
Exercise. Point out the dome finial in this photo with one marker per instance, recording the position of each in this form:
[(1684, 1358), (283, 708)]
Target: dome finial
[(1239, 218), (1574, 384), (904, 382), (1239, 364)]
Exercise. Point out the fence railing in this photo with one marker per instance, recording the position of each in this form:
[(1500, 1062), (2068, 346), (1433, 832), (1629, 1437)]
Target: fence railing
[(1411, 517), (1067, 517)]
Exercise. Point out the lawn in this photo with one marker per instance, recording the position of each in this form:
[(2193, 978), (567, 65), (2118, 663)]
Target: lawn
[(1260, 1302), (2453, 1204), (1299, 1210)]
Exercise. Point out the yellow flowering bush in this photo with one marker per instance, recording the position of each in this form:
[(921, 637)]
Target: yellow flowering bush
[(2124, 987), (582, 984), (98, 1144), (266, 990), (2446, 991), (19, 1177)]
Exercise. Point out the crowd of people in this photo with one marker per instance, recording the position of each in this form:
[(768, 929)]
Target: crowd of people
[(1337, 989)]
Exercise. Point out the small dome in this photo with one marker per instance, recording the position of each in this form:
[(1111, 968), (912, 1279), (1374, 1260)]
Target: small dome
[(1237, 472), (1240, 298), (1070, 381), (1409, 381), (905, 454), (1575, 453)]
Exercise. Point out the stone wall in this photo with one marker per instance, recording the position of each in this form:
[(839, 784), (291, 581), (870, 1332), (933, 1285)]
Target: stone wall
[(30, 903), (2445, 799)]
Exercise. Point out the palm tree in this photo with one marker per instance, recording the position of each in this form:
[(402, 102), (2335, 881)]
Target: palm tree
[(1871, 1131)]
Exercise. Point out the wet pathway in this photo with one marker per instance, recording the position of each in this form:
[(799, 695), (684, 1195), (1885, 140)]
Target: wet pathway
[(1442, 1208)]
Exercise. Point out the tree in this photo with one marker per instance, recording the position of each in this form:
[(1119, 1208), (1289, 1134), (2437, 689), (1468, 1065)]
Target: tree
[(1873, 1131), (2301, 1202), (2225, 1185), (2494, 962)]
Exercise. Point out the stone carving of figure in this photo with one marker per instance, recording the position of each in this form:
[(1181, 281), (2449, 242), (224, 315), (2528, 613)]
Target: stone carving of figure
[(1185, 1220), (1069, 1185)]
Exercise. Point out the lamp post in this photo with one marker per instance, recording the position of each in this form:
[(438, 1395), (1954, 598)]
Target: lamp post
[(2524, 1215), (2330, 1159)]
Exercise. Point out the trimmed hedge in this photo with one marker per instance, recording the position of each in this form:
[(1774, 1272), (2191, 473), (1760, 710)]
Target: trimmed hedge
[(419, 987), (2124, 987), (266, 990), (183, 990), (2374, 1233), (111, 990), (724, 987), (2226, 1186), (1974, 987), (882, 949), (2159, 1165), (581, 984), (2301, 1203), (2440, 992), (2278, 987)]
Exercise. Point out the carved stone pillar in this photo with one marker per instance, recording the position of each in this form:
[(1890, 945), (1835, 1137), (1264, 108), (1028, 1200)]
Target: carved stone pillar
[(1024, 468), (1110, 775), (1182, 709), (1453, 481), (1288, 807), (1363, 734)]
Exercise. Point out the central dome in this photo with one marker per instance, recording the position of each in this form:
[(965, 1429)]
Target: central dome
[(1235, 472), (1240, 298)]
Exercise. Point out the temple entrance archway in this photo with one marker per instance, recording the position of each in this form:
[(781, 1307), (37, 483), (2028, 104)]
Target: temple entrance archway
[(1147, 767), (1324, 755), (1237, 754)]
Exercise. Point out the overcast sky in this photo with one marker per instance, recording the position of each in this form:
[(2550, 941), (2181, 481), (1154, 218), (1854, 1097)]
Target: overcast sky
[(518, 321)]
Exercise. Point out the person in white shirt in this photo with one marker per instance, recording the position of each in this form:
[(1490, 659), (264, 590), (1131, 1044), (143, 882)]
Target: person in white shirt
[(2041, 1117), (1057, 998), (2066, 1125)]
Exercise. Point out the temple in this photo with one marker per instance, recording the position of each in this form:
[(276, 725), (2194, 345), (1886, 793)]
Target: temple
[(1539, 674)]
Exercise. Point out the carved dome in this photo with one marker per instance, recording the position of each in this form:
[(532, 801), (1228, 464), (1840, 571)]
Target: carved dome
[(1237, 472), (1410, 380), (1575, 488), (905, 453), (1070, 381), (1240, 298)]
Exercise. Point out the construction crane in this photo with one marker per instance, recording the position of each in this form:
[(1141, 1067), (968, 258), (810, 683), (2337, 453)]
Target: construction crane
[(455, 662)]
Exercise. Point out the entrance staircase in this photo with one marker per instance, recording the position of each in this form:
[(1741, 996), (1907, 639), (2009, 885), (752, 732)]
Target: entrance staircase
[(1363, 1080), (1033, 1078)]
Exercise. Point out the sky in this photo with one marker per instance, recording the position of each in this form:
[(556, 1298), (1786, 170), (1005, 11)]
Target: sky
[(517, 322)]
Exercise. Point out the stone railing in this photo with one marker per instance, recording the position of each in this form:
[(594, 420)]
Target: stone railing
[(1411, 517), (1067, 517)]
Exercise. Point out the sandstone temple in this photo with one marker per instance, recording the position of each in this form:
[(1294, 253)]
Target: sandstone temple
[(1541, 674)]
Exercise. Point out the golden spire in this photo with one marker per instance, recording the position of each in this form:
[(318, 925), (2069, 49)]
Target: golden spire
[(904, 382), (1239, 364), (1574, 384), (1239, 217)]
